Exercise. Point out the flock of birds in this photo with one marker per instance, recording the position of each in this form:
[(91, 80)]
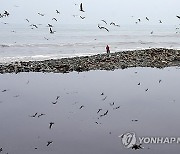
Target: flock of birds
[(81, 9), (101, 112)]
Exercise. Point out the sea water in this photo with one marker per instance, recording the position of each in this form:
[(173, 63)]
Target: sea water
[(24, 42)]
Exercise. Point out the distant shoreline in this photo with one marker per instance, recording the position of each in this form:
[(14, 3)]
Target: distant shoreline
[(155, 57)]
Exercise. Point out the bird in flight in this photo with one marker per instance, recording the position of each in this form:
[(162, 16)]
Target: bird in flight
[(82, 17), (104, 113), (104, 21), (6, 13), (27, 20), (51, 31), (34, 115), (41, 14), (81, 106), (49, 25), (101, 27), (50, 125), (57, 12), (112, 23), (147, 18), (81, 7), (99, 110), (178, 17), (54, 19), (48, 143)]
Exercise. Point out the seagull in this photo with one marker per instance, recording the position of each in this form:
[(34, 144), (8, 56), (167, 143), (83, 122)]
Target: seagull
[(136, 146), (46, 38), (50, 125), (27, 20), (57, 97), (104, 98), (105, 29), (112, 104), (116, 108), (178, 17), (6, 13), (135, 120), (147, 18), (112, 23), (4, 90), (49, 25), (104, 21), (54, 102), (99, 110), (41, 115), (51, 31), (81, 8), (54, 19), (48, 143), (34, 25), (34, 115), (57, 12), (104, 114), (81, 106), (41, 14), (82, 17)]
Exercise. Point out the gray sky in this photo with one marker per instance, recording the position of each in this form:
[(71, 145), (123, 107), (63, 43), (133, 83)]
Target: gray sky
[(119, 11)]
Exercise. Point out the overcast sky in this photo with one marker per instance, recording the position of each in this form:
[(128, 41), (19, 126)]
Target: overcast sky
[(119, 11)]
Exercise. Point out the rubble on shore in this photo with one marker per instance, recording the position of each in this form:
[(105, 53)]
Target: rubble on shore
[(155, 57)]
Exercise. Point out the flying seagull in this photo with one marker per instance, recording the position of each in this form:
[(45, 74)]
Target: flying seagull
[(99, 110), (51, 31), (81, 8), (136, 146), (49, 25), (50, 125), (57, 12), (104, 21), (81, 106), (82, 17), (147, 18), (41, 115), (112, 23), (54, 19), (48, 143), (27, 20), (178, 17), (6, 13), (104, 113), (101, 27), (41, 14), (34, 115)]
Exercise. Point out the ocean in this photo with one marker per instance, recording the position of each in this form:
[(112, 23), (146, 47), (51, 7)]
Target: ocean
[(22, 42)]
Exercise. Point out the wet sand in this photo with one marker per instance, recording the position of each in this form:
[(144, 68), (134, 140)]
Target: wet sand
[(71, 101)]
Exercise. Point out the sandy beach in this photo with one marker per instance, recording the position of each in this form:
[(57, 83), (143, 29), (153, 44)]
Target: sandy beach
[(140, 100)]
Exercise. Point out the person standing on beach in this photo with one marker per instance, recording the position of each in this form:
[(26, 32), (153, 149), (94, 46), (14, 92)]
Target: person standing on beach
[(107, 49)]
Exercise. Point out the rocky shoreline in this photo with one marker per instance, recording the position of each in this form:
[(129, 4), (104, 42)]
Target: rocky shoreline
[(155, 57)]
